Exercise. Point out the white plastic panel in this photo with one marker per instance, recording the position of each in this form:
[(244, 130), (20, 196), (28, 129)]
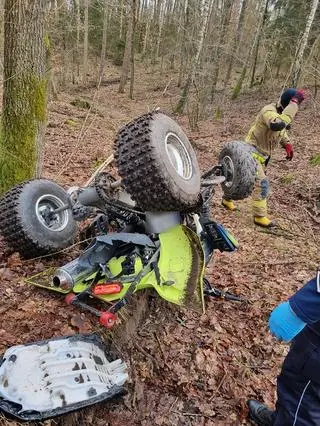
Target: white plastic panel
[(58, 373)]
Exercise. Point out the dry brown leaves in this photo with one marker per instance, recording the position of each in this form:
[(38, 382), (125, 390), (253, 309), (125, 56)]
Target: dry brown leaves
[(185, 369)]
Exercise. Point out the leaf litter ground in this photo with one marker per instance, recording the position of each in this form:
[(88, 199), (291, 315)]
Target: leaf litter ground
[(185, 369)]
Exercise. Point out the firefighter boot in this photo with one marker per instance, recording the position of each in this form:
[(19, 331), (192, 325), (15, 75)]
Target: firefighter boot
[(229, 205), (264, 222), (260, 413)]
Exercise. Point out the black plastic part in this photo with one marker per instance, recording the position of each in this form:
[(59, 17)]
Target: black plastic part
[(13, 410), (277, 126), (212, 171), (211, 291), (215, 239)]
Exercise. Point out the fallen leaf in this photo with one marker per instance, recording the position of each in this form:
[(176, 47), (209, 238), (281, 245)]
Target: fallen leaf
[(79, 321)]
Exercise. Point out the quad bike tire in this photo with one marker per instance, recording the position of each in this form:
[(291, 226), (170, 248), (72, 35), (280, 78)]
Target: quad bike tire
[(23, 224), (239, 169), (157, 163)]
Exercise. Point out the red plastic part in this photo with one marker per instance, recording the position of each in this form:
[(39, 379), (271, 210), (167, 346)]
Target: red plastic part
[(109, 288), (107, 319), (70, 298)]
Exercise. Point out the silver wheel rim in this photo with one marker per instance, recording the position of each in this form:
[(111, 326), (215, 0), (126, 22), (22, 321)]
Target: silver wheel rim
[(228, 170), (45, 205), (179, 156)]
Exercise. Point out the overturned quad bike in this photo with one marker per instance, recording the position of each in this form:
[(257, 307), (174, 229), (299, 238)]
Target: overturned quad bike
[(150, 227)]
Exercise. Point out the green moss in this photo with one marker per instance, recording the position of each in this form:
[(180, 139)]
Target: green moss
[(71, 123), (219, 113), (26, 112), (315, 161), (81, 103), (288, 178), (97, 163), (47, 42), (238, 86)]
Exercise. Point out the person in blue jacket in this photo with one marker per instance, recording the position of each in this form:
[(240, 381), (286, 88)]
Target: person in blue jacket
[(298, 385)]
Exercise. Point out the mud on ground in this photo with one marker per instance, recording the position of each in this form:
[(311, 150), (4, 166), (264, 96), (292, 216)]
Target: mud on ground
[(185, 369)]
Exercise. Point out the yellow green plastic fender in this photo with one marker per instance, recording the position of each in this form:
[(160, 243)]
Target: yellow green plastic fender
[(181, 268)]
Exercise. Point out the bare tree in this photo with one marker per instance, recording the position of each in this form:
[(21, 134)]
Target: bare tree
[(85, 39), (251, 50), (297, 65), (128, 49), (257, 44), (191, 74), (220, 44), (104, 41), (133, 18), (184, 23), (78, 26), (236, 41)]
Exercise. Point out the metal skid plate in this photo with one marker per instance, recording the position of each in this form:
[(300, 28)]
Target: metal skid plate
[(48, 378)]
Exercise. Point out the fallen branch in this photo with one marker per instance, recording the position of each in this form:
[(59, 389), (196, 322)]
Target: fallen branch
[(106, 163), (312, 217), (278, 233), (193, 415), (166, 88), (285, 262), (108, 82)]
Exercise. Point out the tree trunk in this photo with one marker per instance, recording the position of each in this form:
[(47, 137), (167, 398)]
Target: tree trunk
[(145, 39), (256, 48), (236, 43), (297, 65), (222, 35), (104, 41), (65, 21), (184, 23), (127, 53), (184, 96), (121, 19), (161, 21), (316, 74), (133, 18), (313, 62), (270, 58), (243, 74), (78, 24), (156, 29), (26, 49), (85, 40)]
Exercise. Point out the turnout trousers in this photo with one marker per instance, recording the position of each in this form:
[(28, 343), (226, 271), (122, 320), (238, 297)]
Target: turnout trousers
[(298, 385), (261, 188)]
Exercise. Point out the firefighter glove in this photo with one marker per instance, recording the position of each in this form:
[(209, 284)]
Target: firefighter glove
[(289, 151), (299, 97), (284, 324)]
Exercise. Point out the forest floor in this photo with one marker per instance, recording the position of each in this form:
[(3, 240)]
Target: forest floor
[(185, 369)]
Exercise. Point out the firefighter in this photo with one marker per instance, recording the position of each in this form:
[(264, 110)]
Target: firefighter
[(298, 385), (267, 132)]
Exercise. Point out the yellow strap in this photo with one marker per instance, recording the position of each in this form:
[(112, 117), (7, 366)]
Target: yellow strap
[(259, 157)]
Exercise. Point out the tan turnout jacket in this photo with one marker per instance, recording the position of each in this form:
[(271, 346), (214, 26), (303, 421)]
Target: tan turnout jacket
[(261, 136)]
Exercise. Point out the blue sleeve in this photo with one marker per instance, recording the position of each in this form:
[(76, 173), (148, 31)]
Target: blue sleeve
[(305, 303)]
